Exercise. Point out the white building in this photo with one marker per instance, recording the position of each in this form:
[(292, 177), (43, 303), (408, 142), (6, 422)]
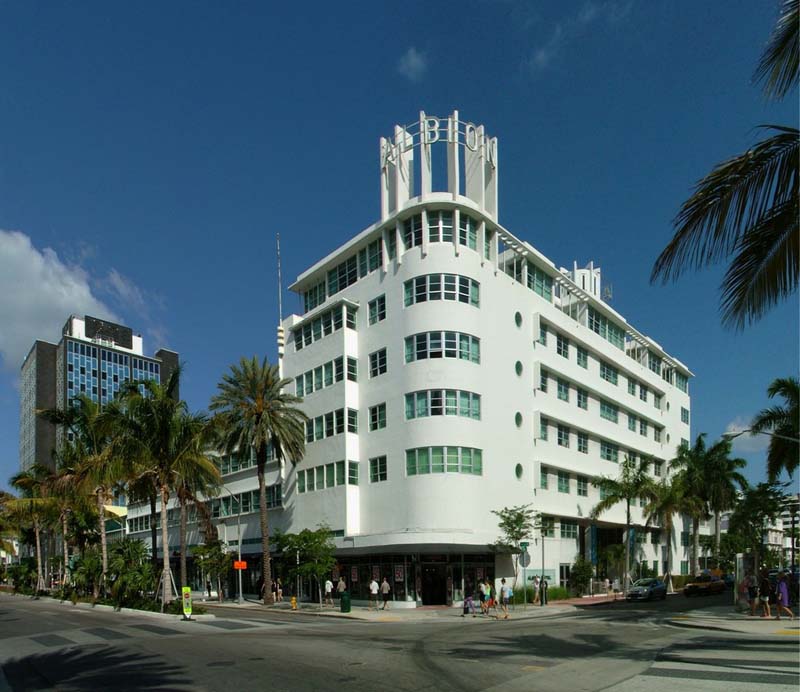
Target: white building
[(449, 369)]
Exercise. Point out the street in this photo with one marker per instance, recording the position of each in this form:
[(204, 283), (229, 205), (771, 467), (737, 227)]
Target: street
[(621, 647)]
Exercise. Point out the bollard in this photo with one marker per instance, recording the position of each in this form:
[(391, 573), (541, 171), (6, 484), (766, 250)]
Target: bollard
[(294, 603)]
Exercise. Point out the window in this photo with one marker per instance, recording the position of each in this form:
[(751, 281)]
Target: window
[(352, 473), (606, 328), (681, 382), (352, 420), (448, 402), (543, 381), (539, 282), (609, 451), (467, 231), (583, 486), (440, 226), (657, 433), (330, 476), (657, 467), (608, 372), (569, 529), (426, 460), (543, 335), (657, 400), (442, 345), (609, 411), (655, 537), (563, 436), (563, 390), (377, 469), (685, 539), (543, 478), (377, 417), (441, 287), (583, 398), (331, 423), (326, 324), (632, 422), (377, 363), (643, 427), (563, 482), (543, 429), (631, 386), (412, 231), (684, 415), (562, 346), (548, 527), (340, 473), (583, 443), (684, 568), (654, 363), (352, 369), (377, 309), (583, 357), (642, 392)]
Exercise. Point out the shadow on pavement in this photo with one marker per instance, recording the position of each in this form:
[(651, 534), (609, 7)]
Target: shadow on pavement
[(102, 668)]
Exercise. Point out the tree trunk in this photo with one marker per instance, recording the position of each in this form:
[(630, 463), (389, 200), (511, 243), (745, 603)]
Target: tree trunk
[(627, 547), (101, 511), (219, 588), (261, 462), (166, 581), (668, 526), (153, 532), (65, 549), (717, 520), (695, 546), (184, 576), (39, 574)]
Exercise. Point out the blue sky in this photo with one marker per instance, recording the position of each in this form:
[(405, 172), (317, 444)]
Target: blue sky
[(149, 152)]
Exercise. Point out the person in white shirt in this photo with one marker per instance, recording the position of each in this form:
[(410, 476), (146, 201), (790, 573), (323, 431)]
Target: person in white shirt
[(328, 592), (373, 594)]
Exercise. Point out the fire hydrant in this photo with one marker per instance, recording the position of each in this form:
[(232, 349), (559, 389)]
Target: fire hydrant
[(294, 603)]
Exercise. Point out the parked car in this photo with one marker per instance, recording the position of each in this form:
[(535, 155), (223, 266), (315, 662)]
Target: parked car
[(729, 579), (704, 585), (647, 589)]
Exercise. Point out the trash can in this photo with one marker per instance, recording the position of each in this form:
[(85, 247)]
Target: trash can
[(344, 602)]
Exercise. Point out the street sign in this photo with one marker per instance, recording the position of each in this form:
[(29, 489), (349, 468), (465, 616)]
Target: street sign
[(239, 564), (524, 545), (525, 559), (187, 601)]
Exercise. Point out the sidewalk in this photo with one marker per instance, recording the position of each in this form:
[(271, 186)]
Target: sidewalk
[(728, 619)]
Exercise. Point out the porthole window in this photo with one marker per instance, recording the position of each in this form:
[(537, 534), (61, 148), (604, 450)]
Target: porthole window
[(518, 368), (518, 419), (667, 437), (518, 319), (668, 406), (518, 470)]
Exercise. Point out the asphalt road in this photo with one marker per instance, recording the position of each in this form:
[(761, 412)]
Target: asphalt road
[(622, 647)]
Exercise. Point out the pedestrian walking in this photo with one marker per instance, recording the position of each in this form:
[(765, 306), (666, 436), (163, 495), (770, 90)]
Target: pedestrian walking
[(373, 594), (504, 595), (783, 597), (607, 584), (328, 592), (764, 588), (385, 591), (544, 591), (279, 590), (490, 601), (752, 592), (535, 589), (482, 596), (341, 587)]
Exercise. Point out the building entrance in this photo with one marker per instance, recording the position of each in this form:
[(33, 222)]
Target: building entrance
[(434, 584)]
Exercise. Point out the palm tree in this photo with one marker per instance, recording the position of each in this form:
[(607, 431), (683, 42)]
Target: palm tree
[(633, 481), (783, 454), (666, 501), (747, 207), (723, 481), (33, 508), (96, 467), (164, 441), (252, 412)]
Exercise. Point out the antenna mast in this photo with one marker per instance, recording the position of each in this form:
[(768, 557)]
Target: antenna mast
[(280, 282)]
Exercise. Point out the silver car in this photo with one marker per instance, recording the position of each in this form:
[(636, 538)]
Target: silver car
[(646, 590)]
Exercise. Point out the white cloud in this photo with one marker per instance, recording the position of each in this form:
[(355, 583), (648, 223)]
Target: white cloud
[(38, 292), (746, 443), (572, 28), (413, 65)]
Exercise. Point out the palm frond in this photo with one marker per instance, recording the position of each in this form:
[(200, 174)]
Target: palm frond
[(764, 270), (778, 67)]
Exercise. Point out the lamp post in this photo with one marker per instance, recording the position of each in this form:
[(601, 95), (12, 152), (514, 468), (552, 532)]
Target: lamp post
[(239, 598), (731, 434)]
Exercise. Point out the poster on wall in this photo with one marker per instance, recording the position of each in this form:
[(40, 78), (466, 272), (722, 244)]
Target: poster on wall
[(478, 571), (353, 573), (399, 572), (376, 571)]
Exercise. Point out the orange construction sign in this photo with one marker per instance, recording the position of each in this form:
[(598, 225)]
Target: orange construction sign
[(239, 564)]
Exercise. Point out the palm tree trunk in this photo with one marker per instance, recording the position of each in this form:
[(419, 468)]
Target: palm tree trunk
[(695, 545), (166, 582), (261, 462), (717, 519), (65, 549), (184, 576), (39, 575), (153, 531), (627, 546), (101, 512), (668, 527)]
